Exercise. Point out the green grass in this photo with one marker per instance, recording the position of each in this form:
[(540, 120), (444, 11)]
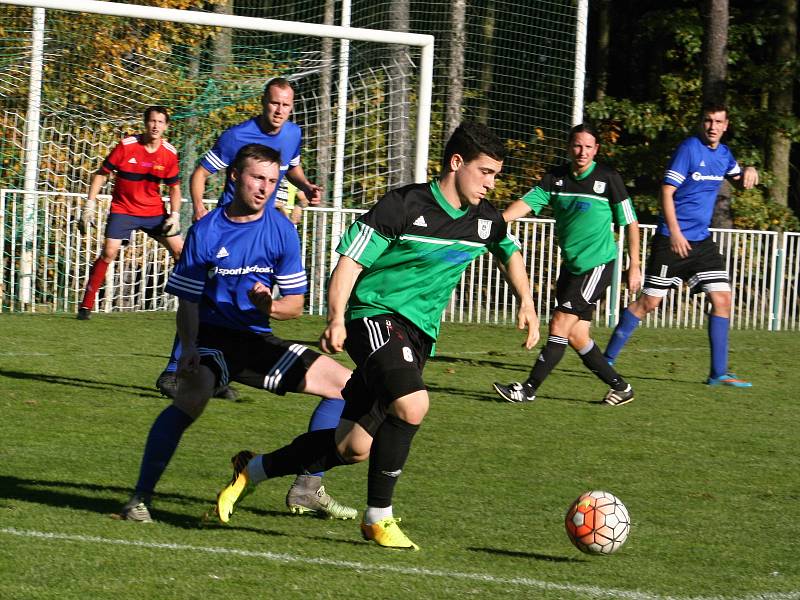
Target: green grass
[(711, 476)]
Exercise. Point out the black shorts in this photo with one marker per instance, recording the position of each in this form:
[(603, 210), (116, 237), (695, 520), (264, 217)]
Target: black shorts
[(119, 226), (390, 354), (259, 360), (704, 269), (578, 294)]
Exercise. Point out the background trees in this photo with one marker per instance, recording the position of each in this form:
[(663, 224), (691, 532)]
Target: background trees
[(665, 58)]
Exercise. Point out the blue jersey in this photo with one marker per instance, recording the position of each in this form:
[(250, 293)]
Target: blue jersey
[(697, 172), (287, 141), (222, 260)]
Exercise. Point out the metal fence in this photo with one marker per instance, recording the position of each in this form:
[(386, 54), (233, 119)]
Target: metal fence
[(45, 262)]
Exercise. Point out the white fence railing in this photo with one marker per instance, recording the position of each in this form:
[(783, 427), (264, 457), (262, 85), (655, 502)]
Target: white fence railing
[(764, 269)]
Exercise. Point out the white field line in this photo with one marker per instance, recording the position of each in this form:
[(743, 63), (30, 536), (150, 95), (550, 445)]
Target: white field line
[(581, 590), (492, 352)]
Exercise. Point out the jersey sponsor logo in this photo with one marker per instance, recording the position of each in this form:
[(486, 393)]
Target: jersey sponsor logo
[(599, 187), (700, 177), (132, 160), (420, 222), (702, 163), (239, 270), (582, 205), (158, 168), (223, 252), (484, 228)]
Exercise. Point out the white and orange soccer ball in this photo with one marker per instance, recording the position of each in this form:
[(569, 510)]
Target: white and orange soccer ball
[(597, 523)]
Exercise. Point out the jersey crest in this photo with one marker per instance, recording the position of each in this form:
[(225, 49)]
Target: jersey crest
[(484, 228), (599, 187)]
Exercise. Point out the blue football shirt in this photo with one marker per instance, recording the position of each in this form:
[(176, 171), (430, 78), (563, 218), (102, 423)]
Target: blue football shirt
[(287, 141), (697, 172), (222, 260)]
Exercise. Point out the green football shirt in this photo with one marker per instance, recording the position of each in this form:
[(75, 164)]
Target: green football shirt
[(414, 246), (584, 208)]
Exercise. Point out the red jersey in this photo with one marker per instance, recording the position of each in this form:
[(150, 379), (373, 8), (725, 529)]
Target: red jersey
[(137, 189)]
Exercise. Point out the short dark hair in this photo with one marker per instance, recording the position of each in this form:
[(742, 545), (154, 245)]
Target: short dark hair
[(712, 107), (280, 82), (583, 128), (258, 152), (157, 109), (471, 139)]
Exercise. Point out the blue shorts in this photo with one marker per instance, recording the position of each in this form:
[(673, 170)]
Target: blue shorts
[(120, 226)]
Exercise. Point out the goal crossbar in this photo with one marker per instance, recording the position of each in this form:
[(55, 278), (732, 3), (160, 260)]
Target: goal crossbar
[(192, 17)]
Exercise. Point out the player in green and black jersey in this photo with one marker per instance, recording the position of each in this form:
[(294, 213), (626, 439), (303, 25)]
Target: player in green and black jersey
[(398, 266), (586, 198)]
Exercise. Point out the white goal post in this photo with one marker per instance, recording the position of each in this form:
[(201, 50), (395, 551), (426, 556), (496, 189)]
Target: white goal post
[(344, 33)]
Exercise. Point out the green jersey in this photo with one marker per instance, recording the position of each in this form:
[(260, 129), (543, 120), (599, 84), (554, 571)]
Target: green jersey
[(584, 208), (414, 246)]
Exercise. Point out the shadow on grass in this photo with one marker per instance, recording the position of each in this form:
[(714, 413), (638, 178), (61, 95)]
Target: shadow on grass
[(81, 382), (533, 555), (91, 498)]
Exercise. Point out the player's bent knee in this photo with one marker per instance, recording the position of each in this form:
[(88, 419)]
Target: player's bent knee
[(411, 408), (326, 378), (352, 441)]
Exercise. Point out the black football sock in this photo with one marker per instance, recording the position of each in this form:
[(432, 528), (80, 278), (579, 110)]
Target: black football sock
[(388, 455), (312, 452), (549, 357), (598, 364)]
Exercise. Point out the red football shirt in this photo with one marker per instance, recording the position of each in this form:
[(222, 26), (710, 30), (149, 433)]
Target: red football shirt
[(137, 189)]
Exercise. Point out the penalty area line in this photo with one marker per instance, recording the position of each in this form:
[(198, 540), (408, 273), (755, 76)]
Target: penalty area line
[(583, 590)]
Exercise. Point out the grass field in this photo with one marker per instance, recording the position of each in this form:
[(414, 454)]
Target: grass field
[(711, 477)]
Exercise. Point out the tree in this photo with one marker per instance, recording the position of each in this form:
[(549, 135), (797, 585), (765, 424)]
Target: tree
[(601, 50), (781, 98), (487, 68), (399, 78), (455, 66), (715, 16)]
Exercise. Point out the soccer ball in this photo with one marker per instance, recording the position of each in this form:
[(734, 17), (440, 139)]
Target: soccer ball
[(597, 523)]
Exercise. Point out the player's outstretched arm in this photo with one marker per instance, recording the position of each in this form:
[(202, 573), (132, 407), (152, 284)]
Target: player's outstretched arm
[(187, 322), (298, 178), (516, 210), (284, 308), (86, 219), (527, 318), (197, 189), (678, 241), (634, 253), (340, 287), (748, 179)]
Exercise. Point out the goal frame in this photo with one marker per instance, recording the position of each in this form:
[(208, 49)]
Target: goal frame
[(344, 33)]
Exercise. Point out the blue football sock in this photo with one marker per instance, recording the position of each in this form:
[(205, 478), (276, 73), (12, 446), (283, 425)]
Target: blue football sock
[(718, 328), (628, 323), (174, 355), (161, 443), (326, 416)]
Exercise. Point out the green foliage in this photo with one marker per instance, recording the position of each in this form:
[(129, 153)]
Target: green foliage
[(639, 136), (753, 210)]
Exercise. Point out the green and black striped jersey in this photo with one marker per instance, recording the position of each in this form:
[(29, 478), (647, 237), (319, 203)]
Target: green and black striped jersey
[(414, 246), (584, 208)]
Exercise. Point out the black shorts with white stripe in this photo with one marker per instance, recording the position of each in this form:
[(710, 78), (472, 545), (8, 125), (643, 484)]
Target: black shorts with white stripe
[(703, 269), (578, 294), (263, 361), (390, 354)]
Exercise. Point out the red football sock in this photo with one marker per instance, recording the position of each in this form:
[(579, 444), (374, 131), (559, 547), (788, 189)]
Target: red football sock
[(96, 277)]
